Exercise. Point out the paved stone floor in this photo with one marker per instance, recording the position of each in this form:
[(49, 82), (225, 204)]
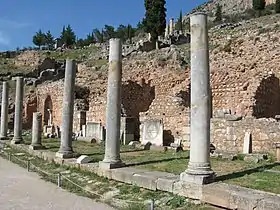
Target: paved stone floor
[(22, 190)]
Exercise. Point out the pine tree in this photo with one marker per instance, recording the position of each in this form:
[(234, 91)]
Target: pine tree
[(68, 36), (155, 18), (39, 39), (179, 24), (129, 33), (277, 6), (49, 39), (218, 14), (259, 5)]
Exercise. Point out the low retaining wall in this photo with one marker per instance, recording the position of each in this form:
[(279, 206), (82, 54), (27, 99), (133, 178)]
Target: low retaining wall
[(229, 136), (219, 194)]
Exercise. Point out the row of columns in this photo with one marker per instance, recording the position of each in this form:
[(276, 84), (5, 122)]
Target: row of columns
[(199, 168), (18, 111)]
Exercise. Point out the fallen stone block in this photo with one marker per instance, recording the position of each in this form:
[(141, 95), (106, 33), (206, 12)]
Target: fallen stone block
[(134, 143), (83, 159), (158, 148), (86, 139), (255, 158)]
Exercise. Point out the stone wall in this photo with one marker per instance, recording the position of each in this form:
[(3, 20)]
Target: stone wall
[(50, 95), (154, 88), (229, 135)]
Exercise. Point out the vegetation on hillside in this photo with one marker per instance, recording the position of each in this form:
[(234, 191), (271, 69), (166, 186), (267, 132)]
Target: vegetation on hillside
[(155, 18)]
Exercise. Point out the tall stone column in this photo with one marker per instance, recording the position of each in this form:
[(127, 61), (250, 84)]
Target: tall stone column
[(17, 139), (166, 33), (66, 150), (199, 169), (113, 109), (4, 111), (36, 143), (171, 26)]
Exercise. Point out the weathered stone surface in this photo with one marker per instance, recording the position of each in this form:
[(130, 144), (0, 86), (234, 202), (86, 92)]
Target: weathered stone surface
[(235, 197), (167, 183), (86, 139), (153, 132), (84, 159), (149, 179), (125, 174)]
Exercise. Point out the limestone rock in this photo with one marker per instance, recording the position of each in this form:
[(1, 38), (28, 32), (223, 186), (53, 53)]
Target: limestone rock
[(83, 159)]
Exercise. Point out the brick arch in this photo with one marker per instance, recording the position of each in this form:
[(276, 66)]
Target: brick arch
[(48, 104)]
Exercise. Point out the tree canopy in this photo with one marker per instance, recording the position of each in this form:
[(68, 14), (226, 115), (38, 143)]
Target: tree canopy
[(155, 17)]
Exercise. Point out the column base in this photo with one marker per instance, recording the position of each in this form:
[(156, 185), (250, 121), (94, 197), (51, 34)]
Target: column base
[(17, 140), (198, 178), (110, 165), (4, 138), (37, 147)]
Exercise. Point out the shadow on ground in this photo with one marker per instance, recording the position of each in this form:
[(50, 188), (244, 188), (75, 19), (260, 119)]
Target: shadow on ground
[(239, 174)]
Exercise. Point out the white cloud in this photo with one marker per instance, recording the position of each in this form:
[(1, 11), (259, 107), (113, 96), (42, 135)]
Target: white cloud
[(5, 23), (4, 40)]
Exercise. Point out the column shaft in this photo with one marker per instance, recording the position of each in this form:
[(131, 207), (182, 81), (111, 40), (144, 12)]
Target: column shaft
[(18, 111), (199, 164), (36, 131), (113, 109), (4, 111), (65, 149)]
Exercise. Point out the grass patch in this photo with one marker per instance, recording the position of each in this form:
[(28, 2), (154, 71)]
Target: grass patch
[(237, 172), (102, 186)]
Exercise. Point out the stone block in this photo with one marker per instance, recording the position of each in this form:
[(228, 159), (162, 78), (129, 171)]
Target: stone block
[(86, 139), (133, 143), (37, 147), (149, 179), (158, 148), (17, 141), (125, 174), (153, 132), (235, 197), (66, 155), (197, 179), (187, 189), (108, 165), (166, 183), (83, 159), (96, 130), (247, 144)]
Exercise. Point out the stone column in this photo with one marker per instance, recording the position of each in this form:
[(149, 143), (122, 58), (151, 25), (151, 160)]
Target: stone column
[(17, 139), (4, 111), (113, 110), (36, 143), (171, 26), (65, 150), (199, 170), (166, 31)]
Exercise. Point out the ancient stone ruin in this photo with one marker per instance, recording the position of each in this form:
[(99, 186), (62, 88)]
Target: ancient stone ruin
[(193, 109)]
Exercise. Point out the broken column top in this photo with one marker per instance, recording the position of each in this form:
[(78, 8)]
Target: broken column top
[(115, 50)]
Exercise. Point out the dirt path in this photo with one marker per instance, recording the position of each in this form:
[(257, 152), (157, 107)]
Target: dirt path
[(22, 190)]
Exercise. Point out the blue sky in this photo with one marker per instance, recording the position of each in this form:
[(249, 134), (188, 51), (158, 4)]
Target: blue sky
[(20, 19)]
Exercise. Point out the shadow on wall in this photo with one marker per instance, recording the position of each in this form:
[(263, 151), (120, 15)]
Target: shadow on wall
[(137, 98), (267, 98)]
